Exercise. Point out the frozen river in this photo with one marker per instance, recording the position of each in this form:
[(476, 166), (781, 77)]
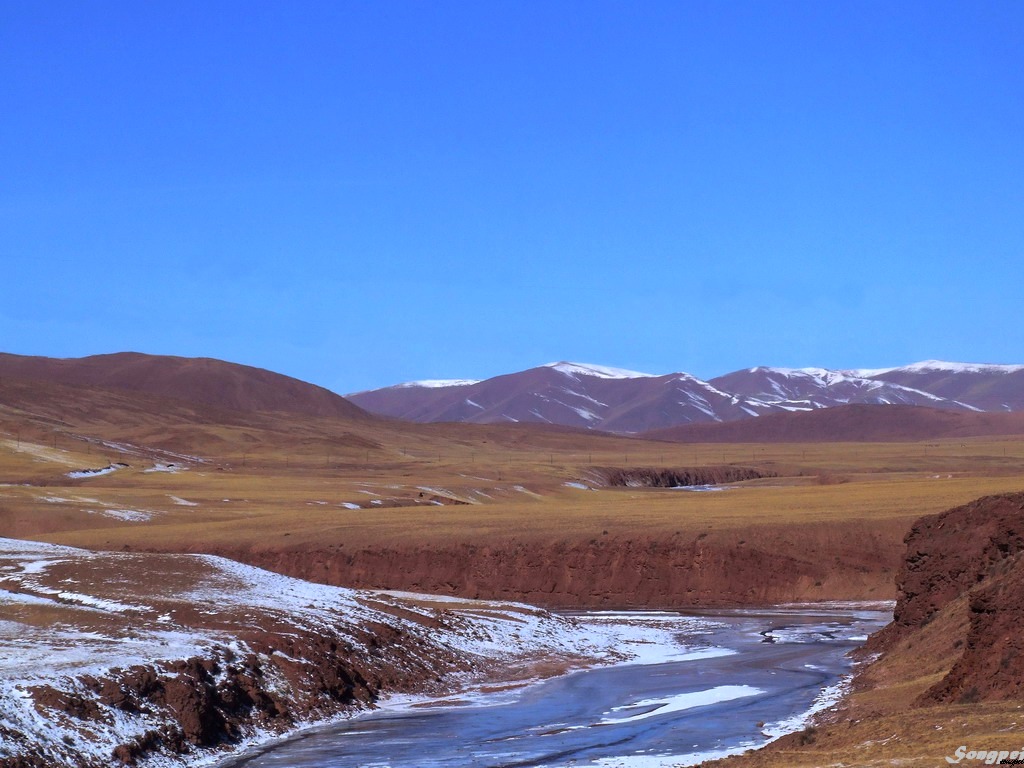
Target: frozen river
[(740, 677)]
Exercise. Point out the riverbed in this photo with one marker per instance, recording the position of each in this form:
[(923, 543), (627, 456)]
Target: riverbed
[(733, 680)]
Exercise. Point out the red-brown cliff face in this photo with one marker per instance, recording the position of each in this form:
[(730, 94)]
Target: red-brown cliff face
[(954, 551), (974, 552)]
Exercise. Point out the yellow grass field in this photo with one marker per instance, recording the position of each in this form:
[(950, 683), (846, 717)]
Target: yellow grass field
[(430, 483)]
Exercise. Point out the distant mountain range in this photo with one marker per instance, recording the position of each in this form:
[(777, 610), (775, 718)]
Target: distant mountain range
[(671, 406), (617, 400)]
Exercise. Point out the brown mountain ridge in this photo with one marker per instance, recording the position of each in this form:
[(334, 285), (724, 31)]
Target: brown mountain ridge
[(850, 423), (200, 380)]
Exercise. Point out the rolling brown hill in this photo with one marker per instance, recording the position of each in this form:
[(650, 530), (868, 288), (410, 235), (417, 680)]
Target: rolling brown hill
[(200, 380), (850, 423)]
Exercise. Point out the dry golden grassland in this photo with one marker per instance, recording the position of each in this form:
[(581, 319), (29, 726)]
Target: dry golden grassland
[(259, 482)]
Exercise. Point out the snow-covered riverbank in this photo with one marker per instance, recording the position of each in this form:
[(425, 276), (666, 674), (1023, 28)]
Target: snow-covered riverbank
[(172, 660)]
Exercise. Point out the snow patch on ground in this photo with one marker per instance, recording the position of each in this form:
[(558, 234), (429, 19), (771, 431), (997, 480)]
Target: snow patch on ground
[(160, 467), (128, 515), (527, 491), (670, 761), (41, 452), (828, 697), (78, 474)]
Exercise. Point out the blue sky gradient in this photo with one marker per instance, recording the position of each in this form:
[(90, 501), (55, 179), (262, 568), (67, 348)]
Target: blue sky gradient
[(361, 193)]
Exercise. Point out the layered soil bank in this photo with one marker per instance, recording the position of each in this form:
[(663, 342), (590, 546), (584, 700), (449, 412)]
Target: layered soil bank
[(660, 477), (761, 565)]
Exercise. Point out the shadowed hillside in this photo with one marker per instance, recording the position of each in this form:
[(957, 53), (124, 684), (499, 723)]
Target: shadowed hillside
[(850, 423)]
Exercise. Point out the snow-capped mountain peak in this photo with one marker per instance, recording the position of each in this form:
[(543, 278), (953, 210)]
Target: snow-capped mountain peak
[(439, 383), (599, 371), (932, 366)]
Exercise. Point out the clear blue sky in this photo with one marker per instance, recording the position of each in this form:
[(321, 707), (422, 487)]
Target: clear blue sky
[(360, 193)]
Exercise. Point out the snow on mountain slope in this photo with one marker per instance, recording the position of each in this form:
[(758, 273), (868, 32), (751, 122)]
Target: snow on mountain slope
[(439, 383), (824, 387), (987, 387), (568, 394), (931, 366), (618, 400)]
